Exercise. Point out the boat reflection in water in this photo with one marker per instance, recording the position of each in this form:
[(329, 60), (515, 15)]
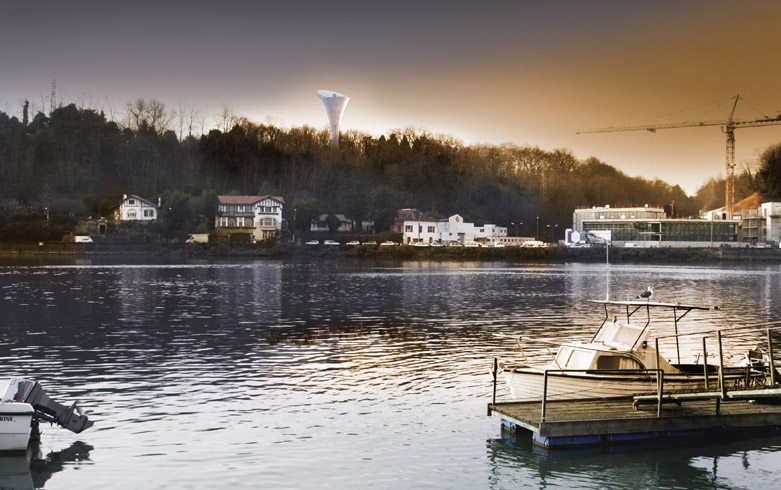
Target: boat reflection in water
[(30, 469)]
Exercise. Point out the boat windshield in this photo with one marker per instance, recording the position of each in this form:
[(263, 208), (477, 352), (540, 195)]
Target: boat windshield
[(619, 335)]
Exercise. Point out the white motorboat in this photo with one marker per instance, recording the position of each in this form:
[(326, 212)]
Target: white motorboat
[(23, 404), (620, 360), (16, 421)]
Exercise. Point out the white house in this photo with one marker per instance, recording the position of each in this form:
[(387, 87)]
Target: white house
[(258, 216), (420, 228), (320, 224), (423, 228), (134, 208)]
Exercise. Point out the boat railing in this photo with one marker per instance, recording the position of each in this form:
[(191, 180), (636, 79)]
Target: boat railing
[(657, 373), (744, 334)]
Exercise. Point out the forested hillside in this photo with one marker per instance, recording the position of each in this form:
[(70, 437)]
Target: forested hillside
[(77, 162)]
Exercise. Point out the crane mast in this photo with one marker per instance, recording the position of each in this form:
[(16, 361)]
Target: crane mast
[(728, 127)]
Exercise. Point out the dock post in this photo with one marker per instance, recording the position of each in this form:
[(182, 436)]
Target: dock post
[(770, 355), (544, 395), (660, 391), (496, 368), (705, 362), (722, 387), (656, 346)]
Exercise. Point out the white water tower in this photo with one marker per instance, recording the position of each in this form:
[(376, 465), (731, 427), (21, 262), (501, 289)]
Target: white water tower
[(334, 106)]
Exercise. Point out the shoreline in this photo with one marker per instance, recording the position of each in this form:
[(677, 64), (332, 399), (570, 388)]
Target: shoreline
[(554, 254)]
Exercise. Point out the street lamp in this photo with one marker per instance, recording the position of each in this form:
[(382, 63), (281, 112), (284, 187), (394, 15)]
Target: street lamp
[(552, 227), (516, 227), (294, 225)]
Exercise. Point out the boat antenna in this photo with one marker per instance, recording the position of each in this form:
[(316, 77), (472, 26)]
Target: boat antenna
[(607, 266)]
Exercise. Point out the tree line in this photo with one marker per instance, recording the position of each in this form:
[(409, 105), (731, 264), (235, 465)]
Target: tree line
[(77, 162)]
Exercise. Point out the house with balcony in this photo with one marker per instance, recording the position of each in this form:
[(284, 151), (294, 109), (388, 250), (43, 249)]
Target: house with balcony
[(136, 209), (253, 218)]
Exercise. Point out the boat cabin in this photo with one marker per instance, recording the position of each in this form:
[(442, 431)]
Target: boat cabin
[(616, 345)]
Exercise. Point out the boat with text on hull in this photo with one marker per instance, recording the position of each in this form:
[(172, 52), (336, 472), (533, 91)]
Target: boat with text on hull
[(622, 360), (23, 404)]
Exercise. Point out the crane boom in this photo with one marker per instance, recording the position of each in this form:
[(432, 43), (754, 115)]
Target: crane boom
[(728, 127)]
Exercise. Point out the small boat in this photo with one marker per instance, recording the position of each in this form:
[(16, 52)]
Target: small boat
[(620, 360), (23, 404)]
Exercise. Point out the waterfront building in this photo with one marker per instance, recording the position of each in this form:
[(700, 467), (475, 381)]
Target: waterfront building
[(418, 227), (649, 227), (334, 103), (760, 222), (761, 226), (136, 209), (252, 217)]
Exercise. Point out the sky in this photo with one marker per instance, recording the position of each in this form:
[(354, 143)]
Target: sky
[(521, 72)]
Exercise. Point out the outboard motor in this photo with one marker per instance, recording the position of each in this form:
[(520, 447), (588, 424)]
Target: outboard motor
[(28, 391)]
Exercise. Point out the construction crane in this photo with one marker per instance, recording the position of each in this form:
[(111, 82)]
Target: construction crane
[(728, 127)]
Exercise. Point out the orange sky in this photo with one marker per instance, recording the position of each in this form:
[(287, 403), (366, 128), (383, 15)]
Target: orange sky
[(521, 72)]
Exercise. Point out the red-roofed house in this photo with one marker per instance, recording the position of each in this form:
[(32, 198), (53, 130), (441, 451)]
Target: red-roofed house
[(258, 216)]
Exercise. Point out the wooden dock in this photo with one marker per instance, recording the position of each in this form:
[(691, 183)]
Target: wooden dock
[(595, 421)]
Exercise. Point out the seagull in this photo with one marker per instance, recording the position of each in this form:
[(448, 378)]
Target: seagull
[(647, 293)]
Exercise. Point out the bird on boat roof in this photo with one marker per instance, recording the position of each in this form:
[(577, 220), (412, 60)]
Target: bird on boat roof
[(647, 293)]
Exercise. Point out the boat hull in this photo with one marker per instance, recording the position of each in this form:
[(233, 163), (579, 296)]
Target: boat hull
[(15, 426), (528, 384)]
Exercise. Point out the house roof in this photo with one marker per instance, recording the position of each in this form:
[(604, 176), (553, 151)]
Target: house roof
[(133, 196), (408, 214), (340, 217), (247, 199)]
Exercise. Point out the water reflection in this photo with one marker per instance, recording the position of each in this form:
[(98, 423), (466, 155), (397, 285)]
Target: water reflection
[(29, 470), (237, 372), (720, 462)]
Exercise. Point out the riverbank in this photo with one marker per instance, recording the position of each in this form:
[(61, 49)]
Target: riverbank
[(510, 254)]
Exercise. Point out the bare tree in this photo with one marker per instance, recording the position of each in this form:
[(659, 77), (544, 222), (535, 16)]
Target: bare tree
[(225, 120), (151, 112)]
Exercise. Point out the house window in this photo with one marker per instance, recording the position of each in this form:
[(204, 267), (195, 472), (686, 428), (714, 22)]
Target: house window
[(149, 213), (132, 202), (131, 214), (408, 228), (431, 229)]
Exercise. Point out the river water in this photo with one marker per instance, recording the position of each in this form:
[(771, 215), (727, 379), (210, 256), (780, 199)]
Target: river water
[(335, 374)]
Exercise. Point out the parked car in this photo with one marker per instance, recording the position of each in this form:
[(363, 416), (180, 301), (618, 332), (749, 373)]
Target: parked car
[(370, 242), (313, 242), (82, 239), (436, 244), (353, 243), (387, 244), (330, 242)]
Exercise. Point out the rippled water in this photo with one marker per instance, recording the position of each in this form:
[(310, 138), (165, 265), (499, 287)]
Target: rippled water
[(335, 374)]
